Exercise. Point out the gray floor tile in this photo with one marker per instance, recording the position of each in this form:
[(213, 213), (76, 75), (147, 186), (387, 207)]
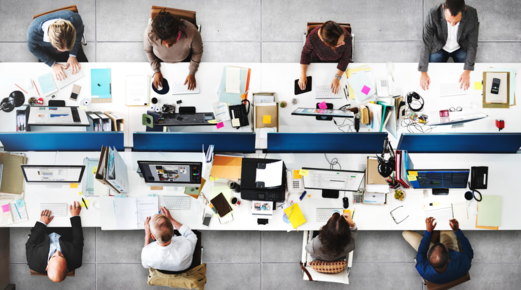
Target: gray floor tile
[(289, 276), (493, 276), (281, 246), (120, 52), (90, 51), (17, 15), (278, 52), (121, 276), (499, 20), (389, 276), (233, 276), (231, 246), (495, 247), (85, 279), (232, 52), (119, 246), (225, 20), (370, 20), (382, 246), (498, 52), (387, 51), (16, 52)]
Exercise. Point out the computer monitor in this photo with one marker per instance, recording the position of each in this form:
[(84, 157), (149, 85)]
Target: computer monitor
[(168, 173), (53, 173), (440, 180), (331, 181)]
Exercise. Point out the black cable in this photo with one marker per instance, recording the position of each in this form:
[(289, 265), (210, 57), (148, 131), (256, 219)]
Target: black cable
[(333, 162)]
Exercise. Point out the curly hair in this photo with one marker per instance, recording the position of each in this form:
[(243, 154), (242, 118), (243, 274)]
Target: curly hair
[(335, 235), (165, 26)]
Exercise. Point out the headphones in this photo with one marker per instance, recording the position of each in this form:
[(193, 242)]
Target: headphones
[(410, 100), (386, 167)]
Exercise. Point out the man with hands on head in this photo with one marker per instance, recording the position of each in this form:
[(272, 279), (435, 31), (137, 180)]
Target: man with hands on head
[(53, 254), (168, 252), (441, 262)]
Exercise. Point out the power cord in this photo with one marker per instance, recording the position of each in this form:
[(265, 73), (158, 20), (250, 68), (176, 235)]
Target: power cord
[(333, 162)]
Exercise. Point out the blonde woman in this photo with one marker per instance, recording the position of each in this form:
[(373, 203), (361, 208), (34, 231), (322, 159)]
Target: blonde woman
[(56, 37)]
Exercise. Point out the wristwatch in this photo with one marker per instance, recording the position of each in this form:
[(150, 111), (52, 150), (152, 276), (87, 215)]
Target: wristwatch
[(338, 77)]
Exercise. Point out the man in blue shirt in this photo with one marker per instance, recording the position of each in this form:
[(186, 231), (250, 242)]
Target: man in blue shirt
[(441, 262)]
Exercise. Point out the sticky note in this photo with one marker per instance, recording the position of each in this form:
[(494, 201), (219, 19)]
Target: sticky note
[(212, 122), (220, 125), (296, 174), (411, 177), (366, 90), (6, 208), (80, 193), (304, 172), (236, 122), (74, 185), (20, 203), (86, 201), (266, 119), (213, 178), (94, 169), (413, 173), (478, 86), (83, 107), (322, 105)]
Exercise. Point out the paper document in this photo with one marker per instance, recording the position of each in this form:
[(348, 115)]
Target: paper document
[(271, 176), (47, 84), (50, 115), (179, 88), (233, 80), (220, 110), (137, 90), (461, 213), (362, 85), (131, 213), (333, 180), (489, 211), (374, 198)]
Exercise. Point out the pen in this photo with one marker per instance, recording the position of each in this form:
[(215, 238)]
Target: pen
[(290, 212), (353, 216), (84, 203), (17, 210), (20, 88), (302, 195)]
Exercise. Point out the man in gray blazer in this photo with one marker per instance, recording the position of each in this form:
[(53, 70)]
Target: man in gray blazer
[(451, 30)]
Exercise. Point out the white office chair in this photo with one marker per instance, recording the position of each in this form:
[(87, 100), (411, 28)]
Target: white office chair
[(342, 277)]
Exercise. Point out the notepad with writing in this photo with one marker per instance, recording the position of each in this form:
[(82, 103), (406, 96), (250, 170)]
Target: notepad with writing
[(131, 212), (295, 216), (12, 212)]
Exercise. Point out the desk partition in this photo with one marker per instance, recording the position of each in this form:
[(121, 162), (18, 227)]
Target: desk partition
[(61, 141), (326, 142), (193, 142), (460, 143)]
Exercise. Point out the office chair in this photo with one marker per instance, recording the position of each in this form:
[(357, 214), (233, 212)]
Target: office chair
[(72, 8), (342, 277), (312, 25), (179, 13)]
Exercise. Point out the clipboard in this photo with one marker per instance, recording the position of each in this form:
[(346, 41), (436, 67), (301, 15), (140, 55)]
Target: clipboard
[(486, 90)]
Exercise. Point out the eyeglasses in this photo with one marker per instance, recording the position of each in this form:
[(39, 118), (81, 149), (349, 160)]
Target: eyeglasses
[(394, 218), (457, 109)]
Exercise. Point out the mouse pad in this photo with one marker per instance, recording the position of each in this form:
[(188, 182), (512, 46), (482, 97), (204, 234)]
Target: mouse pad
[(165, 89)]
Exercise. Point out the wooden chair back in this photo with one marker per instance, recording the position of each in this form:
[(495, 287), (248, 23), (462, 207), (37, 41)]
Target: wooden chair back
[(72, 8), (179, 13)]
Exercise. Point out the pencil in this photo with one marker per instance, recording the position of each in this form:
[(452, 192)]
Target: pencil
[(20, 88), (17, 210), (353, 215), (36, 88)]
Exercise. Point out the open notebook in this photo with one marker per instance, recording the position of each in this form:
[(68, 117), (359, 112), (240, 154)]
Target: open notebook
[(13, 212), (131, 212)]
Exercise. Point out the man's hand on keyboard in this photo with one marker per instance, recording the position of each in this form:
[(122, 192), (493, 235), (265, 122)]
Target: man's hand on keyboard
[(166, 212), (335, 86), (75, 208), (190, 80), (46, 217), (74, 64), (57, 69)]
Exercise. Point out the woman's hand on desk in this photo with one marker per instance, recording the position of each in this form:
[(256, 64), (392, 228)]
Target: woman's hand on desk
[(57, 70), (303, 81), (74, 64), (190, 80), (464, 80), (425, 81), (335, 86), (349, 220), (158, 80)]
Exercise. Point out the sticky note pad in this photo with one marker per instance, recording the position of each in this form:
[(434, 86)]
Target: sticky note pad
[(296, 174), (366, 90), (413, 173), (304, 172), (236, 122), (266, 119), (213, 178), (86, 201), (220, 125), (322, 105), (94, 169), (20, 203), (74, 185), (6, 208), (411, 177), (478, 86), (212, 122)]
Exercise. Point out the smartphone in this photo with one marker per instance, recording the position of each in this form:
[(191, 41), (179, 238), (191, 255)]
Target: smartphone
[(298, 91), (206, 219), (75, 92), (495, 86)]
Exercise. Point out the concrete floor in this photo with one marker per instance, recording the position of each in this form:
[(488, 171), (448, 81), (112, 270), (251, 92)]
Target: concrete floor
[(268, 31)]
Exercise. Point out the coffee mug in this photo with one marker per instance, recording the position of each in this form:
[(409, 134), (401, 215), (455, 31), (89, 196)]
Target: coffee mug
[(469, 195)]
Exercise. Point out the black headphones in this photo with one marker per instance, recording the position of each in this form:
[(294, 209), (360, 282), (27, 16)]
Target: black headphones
[(416, 96), (386, 167)]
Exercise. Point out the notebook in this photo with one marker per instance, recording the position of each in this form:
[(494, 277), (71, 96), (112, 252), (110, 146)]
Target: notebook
[(13, 212), (46, 84), (11, 176), (295, 216), (489, 211), (131, 212), (222, 205)]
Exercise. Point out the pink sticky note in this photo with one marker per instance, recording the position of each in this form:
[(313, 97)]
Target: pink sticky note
[(220, 125), (322, 105), (366, 90), (6, 208)]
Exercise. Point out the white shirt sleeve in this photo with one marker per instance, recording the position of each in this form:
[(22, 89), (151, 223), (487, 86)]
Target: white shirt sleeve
[(144, 255), (186, 232)]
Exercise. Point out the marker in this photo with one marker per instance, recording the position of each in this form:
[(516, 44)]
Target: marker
[(20, 88), (84, 203), (434, 203), (17, 210), (302, 195)]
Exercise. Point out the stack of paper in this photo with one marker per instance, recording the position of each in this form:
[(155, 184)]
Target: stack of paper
[(364, 83), (137, 90)]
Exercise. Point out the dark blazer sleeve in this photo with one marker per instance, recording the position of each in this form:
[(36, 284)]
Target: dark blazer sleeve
[(33, 40), (75, 258), (472, 45), (429, 31), (78, 25), (35, 248)]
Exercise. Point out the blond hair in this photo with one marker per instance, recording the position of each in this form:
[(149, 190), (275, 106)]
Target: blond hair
[(62, 35), (162, 228)]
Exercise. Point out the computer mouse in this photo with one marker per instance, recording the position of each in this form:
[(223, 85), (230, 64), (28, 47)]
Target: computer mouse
[(28, 84), (345, 201)]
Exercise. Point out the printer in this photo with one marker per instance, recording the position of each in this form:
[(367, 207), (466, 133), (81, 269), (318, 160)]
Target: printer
[(253, 190)]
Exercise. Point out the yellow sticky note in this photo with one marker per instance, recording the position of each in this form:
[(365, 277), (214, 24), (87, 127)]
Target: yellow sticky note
[(74, 185), (94, 169), (266, 119), (213, 178), (296, 174), (304, 172), (411, 177), (212, 122), (413, 173), (80, 193), (86, 201), (478, 86)]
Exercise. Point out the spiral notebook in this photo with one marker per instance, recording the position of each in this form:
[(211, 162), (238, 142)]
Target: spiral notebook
[(13, 212), (131, 212)]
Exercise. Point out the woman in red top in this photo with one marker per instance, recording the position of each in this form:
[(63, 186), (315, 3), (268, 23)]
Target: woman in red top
[(328, 43)]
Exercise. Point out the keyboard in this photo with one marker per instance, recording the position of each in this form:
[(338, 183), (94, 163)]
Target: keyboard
[(178, 88), (176, 202), (57, 209), (177, 119), (323, 214), (75, 115), (451, 89), (69, 79), (324, 92)]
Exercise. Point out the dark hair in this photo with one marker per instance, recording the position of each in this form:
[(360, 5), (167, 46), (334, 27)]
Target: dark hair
[(443, 255), (165, 26), (331, 32), (335, 235), (454, 6)]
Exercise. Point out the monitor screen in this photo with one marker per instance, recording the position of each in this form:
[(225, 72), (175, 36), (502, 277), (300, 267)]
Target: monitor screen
[(332, 179), (53, 173), (438, 178), (171, 173)]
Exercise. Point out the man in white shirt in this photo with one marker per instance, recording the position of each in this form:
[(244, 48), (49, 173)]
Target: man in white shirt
[(168, 252)]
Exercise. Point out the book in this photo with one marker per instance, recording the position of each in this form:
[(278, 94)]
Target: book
[(131, 212), (11, 175), (13, 212), (295, 216), (100, 85)]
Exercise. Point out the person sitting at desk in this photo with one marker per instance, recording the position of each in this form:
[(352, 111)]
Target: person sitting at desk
[(56, 37), (168, 252), (451, 30), (441, 262), (335, 240), (55, 254), (328, 43), (170, 39)]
